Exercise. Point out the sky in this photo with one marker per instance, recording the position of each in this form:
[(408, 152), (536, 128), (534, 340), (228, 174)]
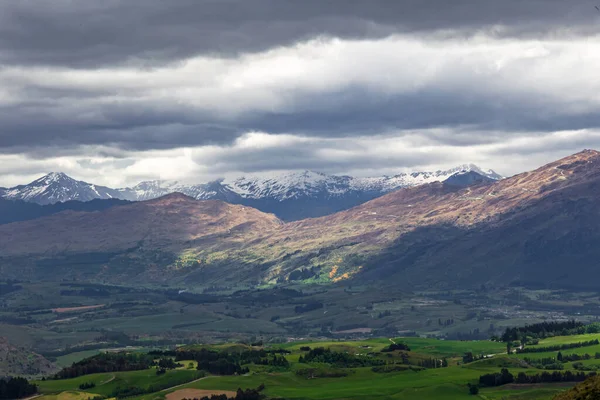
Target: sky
[(116, 92)]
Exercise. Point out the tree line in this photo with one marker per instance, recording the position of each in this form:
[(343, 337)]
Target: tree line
[(344, 360), (558, 347), (107, 362), (543, 329), (225, 363), (394, 347), (16, 388), (505, 377), (557, 362)]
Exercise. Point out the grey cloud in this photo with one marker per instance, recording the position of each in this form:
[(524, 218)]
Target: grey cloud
[(150, 32), (43, 130), (70, 115), (314, 153)]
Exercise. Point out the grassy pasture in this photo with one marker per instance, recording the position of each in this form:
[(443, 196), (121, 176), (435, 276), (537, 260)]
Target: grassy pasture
[(361, 383), (107, 383)]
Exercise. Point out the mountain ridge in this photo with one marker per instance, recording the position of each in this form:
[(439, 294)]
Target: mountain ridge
[(431, 234), (292, 196)]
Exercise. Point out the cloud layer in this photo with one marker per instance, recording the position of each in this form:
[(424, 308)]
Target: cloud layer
[(114, 92)]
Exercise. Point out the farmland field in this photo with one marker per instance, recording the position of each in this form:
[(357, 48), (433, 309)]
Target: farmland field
[(406, 381)]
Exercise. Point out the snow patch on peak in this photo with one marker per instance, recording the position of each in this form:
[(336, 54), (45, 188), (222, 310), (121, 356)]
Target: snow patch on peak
[(59, 187)]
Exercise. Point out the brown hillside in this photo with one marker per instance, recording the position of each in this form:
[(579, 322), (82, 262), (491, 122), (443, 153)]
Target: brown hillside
[(391, 215), (531, 222), (169, 223), (396, 222)]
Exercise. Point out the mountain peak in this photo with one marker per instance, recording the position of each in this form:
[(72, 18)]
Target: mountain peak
[(585, 157), (53, 177), (58, 187)]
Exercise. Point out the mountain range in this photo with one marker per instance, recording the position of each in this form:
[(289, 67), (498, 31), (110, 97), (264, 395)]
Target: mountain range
[(291, 196), (536, 228)]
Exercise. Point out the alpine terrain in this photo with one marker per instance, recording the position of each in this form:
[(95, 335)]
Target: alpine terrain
[(291, 196), (438, 234)]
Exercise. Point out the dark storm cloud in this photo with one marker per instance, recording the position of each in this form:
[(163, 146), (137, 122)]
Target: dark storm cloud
[(110, 80), (299, 154), (148, 32), (44, 130)]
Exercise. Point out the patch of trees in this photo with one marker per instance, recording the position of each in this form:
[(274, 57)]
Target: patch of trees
[(559, 347), (168, 363), (469, 357), (394, 347), (264, 357), (396, 368), (556, 376), (497, 379), (87, 385), (214, 362), (313, 373), (433, 363), (505, 377), (578, 365), (543, 330), (344, 360), (208, 359), (563, 358), (545, 362), (16, 388), (107, 362), (447, 322), (315, 305)]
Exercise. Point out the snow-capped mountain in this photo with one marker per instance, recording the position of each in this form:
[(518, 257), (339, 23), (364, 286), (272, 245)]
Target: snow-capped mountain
[(58, 187), (291, 196), (148, 190)]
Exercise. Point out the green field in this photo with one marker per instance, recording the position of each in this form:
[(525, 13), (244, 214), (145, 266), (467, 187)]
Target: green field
[(107, 383), (360, 383)]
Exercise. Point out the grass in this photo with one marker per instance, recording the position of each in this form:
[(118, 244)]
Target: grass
[(107, 383), (547, 392), (362, 383), (68, 359)]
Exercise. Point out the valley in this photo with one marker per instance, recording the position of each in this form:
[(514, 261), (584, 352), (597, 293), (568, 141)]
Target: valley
[(441, 262), (61, 320)]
